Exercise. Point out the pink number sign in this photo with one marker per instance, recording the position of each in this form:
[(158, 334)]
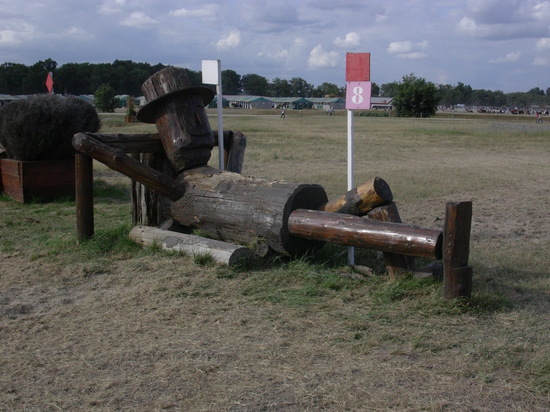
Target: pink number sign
[(358, 86), (358, 95)]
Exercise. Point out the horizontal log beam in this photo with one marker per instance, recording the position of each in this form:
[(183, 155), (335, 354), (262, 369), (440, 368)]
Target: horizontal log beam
[(131, 143), (356, 231), (117, 160), (222, 252)]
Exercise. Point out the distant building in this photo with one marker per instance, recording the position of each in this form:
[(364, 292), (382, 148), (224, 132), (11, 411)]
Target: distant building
[(326, 103), (381, 103)]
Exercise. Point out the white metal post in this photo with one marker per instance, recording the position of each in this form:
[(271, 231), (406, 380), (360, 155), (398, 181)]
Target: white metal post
[(351, 180)]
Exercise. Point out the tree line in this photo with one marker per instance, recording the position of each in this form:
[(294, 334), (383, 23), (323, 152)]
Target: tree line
[(126, 77)]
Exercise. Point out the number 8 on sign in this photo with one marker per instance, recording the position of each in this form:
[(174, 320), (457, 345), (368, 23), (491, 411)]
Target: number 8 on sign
[(358, 95)]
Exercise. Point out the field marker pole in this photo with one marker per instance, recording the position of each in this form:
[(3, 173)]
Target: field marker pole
[(212, 74), (358, 90), (351, 180)]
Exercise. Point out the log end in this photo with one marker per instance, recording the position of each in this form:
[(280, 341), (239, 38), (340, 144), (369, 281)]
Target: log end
[(306, 196), (383, 190)]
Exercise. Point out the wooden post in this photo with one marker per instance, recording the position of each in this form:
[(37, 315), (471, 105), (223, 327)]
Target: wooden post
[(84, 176), (395, 263), (234, 147), (457, 274)]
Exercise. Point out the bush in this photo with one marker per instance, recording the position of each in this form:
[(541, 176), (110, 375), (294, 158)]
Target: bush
[(104, 99), (41, 127)]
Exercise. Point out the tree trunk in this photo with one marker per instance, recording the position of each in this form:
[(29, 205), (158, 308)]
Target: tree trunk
[(231, 207)]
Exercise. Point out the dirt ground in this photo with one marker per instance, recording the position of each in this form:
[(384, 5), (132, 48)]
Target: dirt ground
[(153, 334)]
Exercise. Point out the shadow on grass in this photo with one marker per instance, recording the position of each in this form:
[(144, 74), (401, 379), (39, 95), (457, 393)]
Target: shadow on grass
[(111, 193)]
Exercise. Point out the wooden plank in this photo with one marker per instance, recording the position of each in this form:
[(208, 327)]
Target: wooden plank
[(457, 275), (356, 231), (222, 252)]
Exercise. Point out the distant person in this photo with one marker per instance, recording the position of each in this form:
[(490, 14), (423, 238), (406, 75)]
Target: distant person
[(283, 116), (538, 118)]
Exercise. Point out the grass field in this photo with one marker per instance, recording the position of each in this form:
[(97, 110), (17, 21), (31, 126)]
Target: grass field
[(108, 326)]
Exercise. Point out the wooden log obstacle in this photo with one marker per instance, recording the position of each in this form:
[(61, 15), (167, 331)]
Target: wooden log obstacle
[(287, 218)]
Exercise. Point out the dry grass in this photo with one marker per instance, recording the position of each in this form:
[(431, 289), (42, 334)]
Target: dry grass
[(108, 326)]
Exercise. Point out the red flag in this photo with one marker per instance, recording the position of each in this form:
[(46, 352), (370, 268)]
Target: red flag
[(49, 82)]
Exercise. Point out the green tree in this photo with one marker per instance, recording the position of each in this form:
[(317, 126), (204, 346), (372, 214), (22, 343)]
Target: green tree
[(280, 88), (254, 84), (231, 82), (416, 97), (300, 88), (326, 90), (104, 99), (12, 76), (388, 89), (375, 90), (537, 91)]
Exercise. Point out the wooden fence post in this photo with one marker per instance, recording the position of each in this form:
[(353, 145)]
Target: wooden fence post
[(457, 274), (84, 197)]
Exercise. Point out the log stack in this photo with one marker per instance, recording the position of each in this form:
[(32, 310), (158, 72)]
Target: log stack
[(287, 218)]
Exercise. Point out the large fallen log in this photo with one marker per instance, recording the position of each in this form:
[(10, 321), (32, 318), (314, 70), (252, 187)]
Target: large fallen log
[(357, 231), (232, 207), (222, 252)]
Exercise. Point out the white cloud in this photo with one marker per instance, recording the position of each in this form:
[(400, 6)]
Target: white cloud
[(76, 33), (467, 26), (111, 6), (17, 34), (510, 57), (505, 19), (543, 44), (408, 49), (319, 58), (232, 40), (400, 47), (139, 20), (541, 61), (206, 11), (352, 39), (9, 38)]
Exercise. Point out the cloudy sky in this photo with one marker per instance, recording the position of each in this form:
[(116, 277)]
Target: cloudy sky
[(488, 44)]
